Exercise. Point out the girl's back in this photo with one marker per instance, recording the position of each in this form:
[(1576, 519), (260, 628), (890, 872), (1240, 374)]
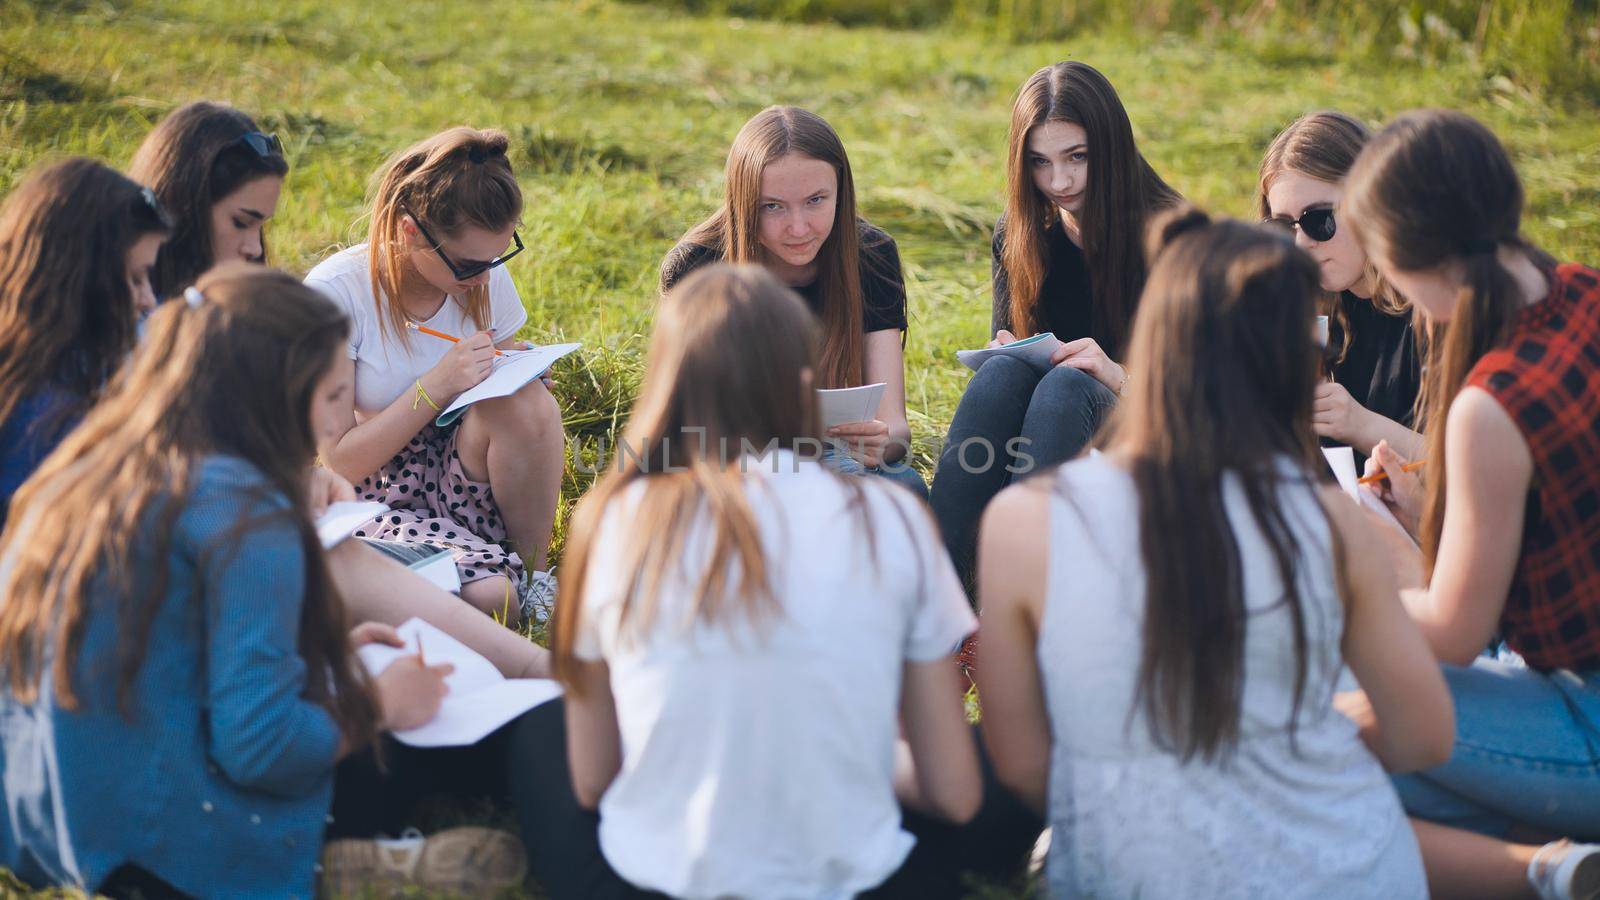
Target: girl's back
[(1310, 814), (760, 755)]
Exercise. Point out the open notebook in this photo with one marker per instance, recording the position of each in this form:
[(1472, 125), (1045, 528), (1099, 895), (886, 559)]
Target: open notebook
[(512, 370), (1035, 351), (480, 699)]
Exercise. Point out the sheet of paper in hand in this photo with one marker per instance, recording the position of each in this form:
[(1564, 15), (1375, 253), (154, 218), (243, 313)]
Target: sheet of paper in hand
[(480, 699), (341, 519), (842, 406), (1035, 351), (1342, 460), (512, 370)]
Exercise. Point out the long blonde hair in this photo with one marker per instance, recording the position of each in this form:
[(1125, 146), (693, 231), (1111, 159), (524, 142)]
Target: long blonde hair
[(456, 178), (734, 230), (1123, 190), (727, 373), (234, 375)]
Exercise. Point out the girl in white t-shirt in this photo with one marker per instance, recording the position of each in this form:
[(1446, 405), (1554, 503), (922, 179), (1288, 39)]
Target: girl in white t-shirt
[(743, 629), (444, 221)]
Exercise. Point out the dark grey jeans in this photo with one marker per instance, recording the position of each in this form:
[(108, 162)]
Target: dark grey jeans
[(1011, 422)]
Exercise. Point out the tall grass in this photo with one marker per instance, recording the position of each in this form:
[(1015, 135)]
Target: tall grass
[(1548, 45)]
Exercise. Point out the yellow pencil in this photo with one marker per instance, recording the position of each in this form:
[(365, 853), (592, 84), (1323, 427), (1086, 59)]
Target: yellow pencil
[(439, 334)]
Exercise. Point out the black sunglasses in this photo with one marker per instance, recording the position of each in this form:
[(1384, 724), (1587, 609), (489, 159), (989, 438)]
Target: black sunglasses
[(147, 210), (265, 145), (470, 269), (1316, 223)]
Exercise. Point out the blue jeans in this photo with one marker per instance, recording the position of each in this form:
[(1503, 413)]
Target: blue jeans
[(1011, 422), (900, 473), (1527, 751)]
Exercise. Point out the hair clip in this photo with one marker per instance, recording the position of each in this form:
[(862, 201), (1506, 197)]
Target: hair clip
[(193, 297)]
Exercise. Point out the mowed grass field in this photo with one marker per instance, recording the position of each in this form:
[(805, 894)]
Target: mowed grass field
[(621, 115)]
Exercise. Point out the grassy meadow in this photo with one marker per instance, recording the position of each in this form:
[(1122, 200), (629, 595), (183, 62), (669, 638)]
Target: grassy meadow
[(621, 114)]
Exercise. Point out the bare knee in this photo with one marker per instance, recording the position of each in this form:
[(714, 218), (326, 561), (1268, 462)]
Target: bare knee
[(494, 597), (529, 412)]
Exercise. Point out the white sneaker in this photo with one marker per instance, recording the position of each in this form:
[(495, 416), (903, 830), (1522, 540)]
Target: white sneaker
[(536, 596), (1562, 870)]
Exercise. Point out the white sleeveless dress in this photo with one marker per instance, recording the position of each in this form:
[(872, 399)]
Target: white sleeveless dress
[(1129, 819)]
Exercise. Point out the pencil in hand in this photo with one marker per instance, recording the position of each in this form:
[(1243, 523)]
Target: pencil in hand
[(1376, 477), (439, 334)]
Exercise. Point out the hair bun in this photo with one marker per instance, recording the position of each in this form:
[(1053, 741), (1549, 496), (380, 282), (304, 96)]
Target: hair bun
[(1169, 225), (486, 145)]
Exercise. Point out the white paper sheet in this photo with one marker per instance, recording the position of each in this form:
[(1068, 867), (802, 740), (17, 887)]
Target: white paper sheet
[(843, 406), (511, 371), (479, 700), (1343, 462), (1035, 351), (340, 520)]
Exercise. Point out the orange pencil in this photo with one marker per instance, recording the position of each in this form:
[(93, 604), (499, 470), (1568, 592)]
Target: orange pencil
[(439, 334), (1383, 476)]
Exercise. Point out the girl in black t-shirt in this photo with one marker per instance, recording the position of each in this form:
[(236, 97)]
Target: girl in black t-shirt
[(1068, 259), (790, 206), (1376, 372)]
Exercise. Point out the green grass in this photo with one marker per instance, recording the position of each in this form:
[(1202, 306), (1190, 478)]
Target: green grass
[(621, 115)]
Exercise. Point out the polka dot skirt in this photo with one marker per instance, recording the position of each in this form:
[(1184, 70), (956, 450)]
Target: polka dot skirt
[(432, 501)]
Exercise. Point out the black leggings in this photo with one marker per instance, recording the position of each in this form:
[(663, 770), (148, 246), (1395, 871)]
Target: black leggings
[(564, 847)]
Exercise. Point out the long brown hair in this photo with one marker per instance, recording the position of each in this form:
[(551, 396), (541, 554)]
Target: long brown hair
[(67, 318), (233, 375), (192, 160), (1436, 187), (1324, 145), (734, 230), (458, 177), (1225, 370), (726, 373), (1123, 190)]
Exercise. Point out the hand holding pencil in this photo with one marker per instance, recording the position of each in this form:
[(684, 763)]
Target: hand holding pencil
[(1394, 480)]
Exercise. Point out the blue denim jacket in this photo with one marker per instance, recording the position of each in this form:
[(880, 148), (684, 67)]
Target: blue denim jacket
[(219, 778)]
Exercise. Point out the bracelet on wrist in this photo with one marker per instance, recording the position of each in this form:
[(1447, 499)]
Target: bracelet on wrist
[(422, 397)]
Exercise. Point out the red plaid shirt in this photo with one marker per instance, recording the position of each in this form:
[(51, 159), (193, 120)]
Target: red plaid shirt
[(1547, 377)]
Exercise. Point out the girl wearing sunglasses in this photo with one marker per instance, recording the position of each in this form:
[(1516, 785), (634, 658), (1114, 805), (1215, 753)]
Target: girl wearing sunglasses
[(443, 224), (1371, 344), (220, 177)]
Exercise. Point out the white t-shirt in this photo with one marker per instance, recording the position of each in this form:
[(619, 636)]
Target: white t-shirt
[(387, 365), (760, 764)]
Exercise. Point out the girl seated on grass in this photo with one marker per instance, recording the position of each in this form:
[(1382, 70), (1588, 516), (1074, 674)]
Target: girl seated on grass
[(165, 597), (222, 180), (745, 629), (1372, 395), (1510, 526), (790, 206), (1068, 259), (444, 221), (77, 244), (1164, 623)]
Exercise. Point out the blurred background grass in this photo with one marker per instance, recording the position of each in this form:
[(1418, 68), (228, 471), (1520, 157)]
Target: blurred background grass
[(621, 114)]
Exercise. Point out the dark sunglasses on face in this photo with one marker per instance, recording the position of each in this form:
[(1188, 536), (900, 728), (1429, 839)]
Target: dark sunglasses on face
[(1315, 223), (467, 268), (264, 145)]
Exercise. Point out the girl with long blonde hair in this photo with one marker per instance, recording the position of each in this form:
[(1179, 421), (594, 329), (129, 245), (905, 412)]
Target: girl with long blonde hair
[(744, 630), (444, 221)]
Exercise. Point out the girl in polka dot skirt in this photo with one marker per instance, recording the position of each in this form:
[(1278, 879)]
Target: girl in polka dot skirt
[(444, 222)]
